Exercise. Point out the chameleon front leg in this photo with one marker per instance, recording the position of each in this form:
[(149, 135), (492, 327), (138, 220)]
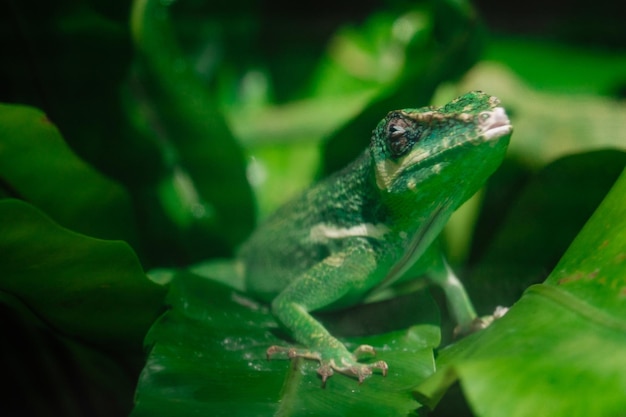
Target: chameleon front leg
[(331, 280), (459, 303)]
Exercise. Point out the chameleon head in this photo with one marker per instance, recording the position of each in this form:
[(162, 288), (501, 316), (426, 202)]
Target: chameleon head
[(431, 150)]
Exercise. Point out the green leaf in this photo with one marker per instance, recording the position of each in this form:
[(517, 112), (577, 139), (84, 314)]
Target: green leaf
[(601, 69), (558, 351), (544, 217), (374, 54), (208, 358), (89, 289), (36, 165), (69, 58), (204, 191)]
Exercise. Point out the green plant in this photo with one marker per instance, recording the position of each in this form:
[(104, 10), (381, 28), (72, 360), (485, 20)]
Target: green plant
[(164, 135)]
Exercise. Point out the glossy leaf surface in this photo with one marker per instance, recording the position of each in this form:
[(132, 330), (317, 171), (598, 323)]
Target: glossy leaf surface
[(89, 289), (559, 347), (37, 165), (208, 358)]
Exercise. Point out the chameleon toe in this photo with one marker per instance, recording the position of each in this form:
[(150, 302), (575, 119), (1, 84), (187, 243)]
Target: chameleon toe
[(364, 351)]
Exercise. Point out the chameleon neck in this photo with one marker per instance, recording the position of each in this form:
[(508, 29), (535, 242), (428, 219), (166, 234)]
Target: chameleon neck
[(413, 211), (356, 186)]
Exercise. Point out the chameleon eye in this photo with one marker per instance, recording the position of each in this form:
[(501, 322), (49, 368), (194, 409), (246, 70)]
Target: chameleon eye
[(400, 138), (395, 130)]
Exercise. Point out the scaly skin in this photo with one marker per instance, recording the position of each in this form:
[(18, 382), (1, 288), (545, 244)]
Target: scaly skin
[(371, 226)]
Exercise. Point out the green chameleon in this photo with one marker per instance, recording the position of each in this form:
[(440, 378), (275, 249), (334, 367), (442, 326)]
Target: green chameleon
[(371, 226)]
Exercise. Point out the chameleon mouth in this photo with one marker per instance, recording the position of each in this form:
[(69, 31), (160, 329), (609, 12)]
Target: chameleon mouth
[(494, 123)]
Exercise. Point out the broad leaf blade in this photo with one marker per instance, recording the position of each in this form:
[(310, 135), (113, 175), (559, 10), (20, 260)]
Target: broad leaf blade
[(89, 289), (535, 229), (37, 165), (208, 358), (559, 351)]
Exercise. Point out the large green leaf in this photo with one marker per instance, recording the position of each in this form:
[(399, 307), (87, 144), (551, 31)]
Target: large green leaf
[(529, 238), (37, 165), (208, 358), (74, 312), (89, 289), (69, 58), (559, 350)]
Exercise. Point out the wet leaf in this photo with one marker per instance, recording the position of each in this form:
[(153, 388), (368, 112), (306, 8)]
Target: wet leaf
[(208, 358)]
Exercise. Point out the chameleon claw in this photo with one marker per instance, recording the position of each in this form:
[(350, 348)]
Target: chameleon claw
[(367, 350), (327, 368), (367, 370), (325, 371), (382, 365), (480, 323), (272, 350), (364, 350), (363, 374)]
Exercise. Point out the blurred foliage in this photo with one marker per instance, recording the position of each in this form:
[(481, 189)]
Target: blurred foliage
[(154, 135)]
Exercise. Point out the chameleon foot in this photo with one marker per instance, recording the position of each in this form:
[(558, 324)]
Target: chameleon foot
[(344, 362), (480, 323)]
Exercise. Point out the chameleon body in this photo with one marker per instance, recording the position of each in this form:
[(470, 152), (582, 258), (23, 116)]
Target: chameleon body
[(371, 226)]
